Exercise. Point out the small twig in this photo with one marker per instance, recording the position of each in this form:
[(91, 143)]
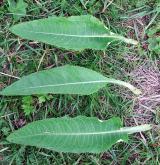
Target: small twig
[(4, 149), (152, 20), (136, 30), (38, 3), (84, 4), (154, 112), (106, 5), (7, 115), (40, 62), (8, 75)]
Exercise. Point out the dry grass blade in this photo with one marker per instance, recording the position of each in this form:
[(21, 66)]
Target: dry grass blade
[(147, 78)]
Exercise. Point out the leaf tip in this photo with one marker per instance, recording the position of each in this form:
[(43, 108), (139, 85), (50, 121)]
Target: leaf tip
[(11, 29), (1, 93), (9, 138)]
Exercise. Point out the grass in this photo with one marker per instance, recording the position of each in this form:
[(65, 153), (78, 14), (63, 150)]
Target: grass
[(22, 57)]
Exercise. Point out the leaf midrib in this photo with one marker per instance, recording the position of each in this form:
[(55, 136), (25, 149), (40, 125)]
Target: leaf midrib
[(71, 134), (79, 36), (127, 130), (59, 85), (106, 80), (74, 83)]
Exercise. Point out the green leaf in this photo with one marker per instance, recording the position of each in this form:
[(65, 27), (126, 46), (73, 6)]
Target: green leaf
[(17, 9), (63, 80), (76, 135), (76, 32)]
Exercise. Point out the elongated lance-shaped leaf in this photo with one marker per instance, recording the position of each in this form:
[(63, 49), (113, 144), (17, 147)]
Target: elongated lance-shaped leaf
[(63, 80), (77, 135), (76, 32)]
